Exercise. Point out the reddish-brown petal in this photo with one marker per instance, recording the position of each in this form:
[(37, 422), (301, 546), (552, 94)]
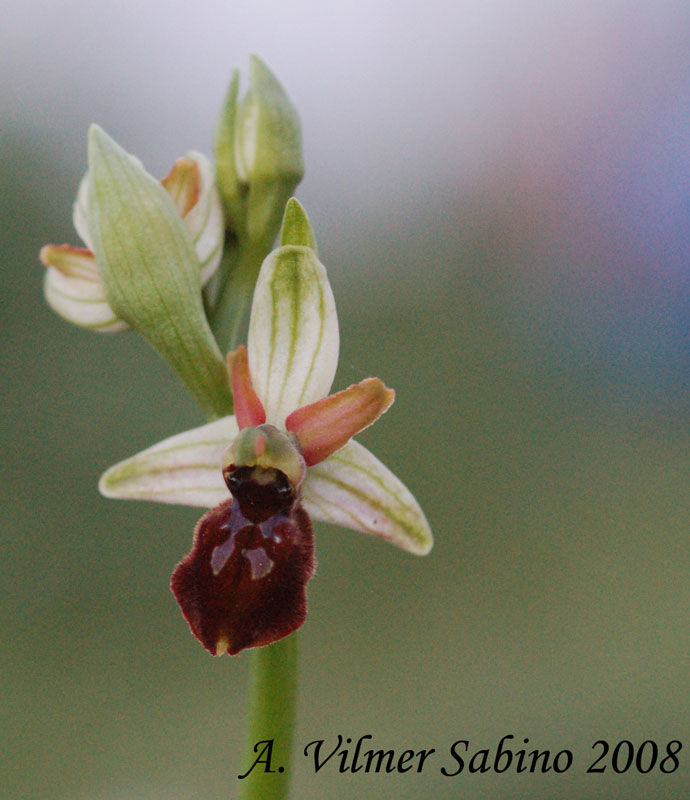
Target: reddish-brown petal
[(248, 408), (244, 584), (328, 424)]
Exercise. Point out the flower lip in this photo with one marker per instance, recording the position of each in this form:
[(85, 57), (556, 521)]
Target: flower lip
[(244, 584)]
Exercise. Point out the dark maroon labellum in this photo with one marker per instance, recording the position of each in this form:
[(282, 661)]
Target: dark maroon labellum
[(243, 584)]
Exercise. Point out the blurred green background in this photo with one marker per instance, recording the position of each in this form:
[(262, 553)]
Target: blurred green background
[(507, 238)]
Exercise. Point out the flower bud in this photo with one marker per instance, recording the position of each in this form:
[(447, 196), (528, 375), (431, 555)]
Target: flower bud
[(192, 187), (74, 290), (149, 267), (73, 285), (258, 154)]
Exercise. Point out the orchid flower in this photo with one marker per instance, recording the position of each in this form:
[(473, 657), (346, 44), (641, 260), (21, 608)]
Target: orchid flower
[(73, 285), (286, 456)]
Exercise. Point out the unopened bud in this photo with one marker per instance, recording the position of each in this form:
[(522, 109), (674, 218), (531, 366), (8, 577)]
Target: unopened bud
[(258, 154)]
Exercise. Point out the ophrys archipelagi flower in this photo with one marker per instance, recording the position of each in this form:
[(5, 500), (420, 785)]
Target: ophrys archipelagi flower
[(286, 456)]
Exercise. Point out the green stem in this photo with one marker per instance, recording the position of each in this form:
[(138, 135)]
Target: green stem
[(273, 689), (235, 292), (273, 694)]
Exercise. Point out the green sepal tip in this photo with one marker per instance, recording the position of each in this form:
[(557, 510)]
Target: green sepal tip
[(296, 228)]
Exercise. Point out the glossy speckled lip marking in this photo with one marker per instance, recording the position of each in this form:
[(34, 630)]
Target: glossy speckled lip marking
[(243, 584), (261, 564)]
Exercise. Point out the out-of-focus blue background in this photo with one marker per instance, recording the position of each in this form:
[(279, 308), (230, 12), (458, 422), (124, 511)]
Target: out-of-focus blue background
[(500, 193)]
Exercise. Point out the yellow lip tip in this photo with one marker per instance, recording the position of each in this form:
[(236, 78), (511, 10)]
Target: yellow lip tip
[(222, 645)]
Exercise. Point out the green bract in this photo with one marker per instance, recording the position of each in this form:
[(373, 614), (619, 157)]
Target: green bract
[(150, 270)]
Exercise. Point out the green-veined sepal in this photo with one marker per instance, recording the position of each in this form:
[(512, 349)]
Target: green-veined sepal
[(293, 332), (354, 489), (351, 488), (184, 469)]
